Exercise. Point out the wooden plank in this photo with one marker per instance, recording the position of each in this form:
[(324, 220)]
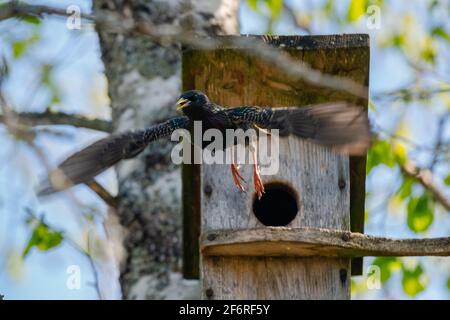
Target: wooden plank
[(302, 242), (274, 278)]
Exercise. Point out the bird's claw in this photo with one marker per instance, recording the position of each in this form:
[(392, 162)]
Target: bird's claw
[(259, 186), (237, 177)]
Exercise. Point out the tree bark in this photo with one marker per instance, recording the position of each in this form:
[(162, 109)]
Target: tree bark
[(144, 81)]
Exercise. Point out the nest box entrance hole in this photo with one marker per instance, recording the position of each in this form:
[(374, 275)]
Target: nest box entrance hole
[(278, 206)]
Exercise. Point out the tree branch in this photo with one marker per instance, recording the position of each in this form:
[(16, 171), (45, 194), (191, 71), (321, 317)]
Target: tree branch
[(296, 19), (294, 69), (20, 9), (425, 178), (59, 118)]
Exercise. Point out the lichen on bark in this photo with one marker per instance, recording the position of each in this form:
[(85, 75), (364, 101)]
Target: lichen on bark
[(143, 83)]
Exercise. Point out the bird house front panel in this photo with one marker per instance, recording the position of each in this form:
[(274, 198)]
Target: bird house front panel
[(304, 184)]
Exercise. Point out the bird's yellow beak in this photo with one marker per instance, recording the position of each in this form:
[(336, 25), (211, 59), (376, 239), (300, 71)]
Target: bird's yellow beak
[(182, 103)]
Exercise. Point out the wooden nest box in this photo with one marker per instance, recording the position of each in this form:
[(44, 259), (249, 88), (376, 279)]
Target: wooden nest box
[(242, 255)]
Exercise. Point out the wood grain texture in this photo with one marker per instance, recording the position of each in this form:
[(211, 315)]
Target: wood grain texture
[(231, 78), (275, 278), (311, 170), (301, 242)]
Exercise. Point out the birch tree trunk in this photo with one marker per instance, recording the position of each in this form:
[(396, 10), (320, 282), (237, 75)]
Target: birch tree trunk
[(144, 81)]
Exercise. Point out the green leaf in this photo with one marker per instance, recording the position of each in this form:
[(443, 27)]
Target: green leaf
[(46, 79), (19, 47), (429, 54), (397, 40), (356, 10), (275, 7), (31, 20), (414, 281), (440, 33), (253, 4), (447, 180), (380, 153), (387, 265), (405, 189), (43, 238), (328, 7), (420, 212)]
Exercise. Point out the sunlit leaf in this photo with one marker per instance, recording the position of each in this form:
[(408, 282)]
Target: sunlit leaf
[(395, 204), (429, 55), (397, 40), (31, 20), (356, 10), (420, 212), (400, 152), (440, 33), (447, 180), (43, 238), (19, 47), (275, 7), (387, 265), (414, 281), (253, 4), (406, 187), (380, 153)]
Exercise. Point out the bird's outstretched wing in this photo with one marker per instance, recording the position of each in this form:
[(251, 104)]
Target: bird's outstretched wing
[(340, 125), (84, 165)]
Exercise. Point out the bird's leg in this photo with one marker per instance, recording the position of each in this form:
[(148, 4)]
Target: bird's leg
[(237, 177), (259, 186)]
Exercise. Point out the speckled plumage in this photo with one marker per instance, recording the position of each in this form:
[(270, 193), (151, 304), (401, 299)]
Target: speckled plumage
[(339, 125)]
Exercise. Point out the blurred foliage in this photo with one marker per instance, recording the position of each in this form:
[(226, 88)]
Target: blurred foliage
[(274, 8), (420, 212), (356, 9), (42, 237), (414, 279), (19, 47), (387, 265)]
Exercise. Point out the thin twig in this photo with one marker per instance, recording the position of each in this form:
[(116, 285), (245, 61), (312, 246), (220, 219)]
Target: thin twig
[(59, 118), (439, 138), (295, 18), (412, 93), (425, 178), (21, 9), (102, 193)]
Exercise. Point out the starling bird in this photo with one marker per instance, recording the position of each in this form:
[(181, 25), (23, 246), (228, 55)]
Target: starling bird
[(341, 126)]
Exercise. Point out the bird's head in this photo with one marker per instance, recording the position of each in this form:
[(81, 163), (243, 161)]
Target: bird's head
[(191, 100)]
